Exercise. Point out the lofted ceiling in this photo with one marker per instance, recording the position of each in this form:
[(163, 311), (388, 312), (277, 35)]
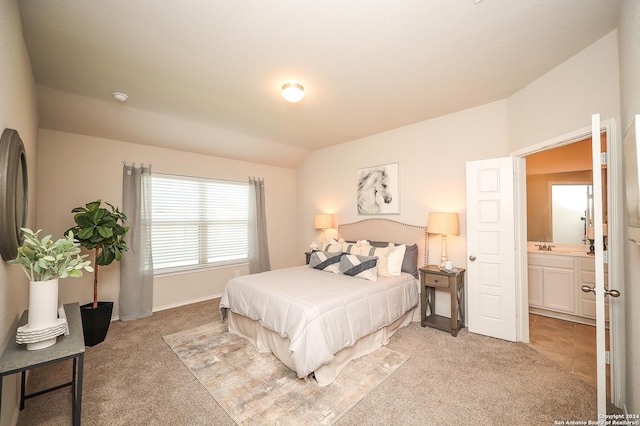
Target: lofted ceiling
[(205, 75)]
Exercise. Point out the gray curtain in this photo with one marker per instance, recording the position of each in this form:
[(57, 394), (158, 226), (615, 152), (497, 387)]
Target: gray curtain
[(258, 247), (136, 266)]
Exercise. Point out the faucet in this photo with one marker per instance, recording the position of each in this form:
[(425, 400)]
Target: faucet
[(544, 246)]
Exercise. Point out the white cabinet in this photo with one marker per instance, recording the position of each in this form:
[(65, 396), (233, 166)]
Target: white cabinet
[(552, 282), (535, 286), (555, 283), (588, 300), (559, 289)]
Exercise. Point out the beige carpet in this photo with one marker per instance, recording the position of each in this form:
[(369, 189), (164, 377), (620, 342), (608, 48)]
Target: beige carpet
[(134, 378), (256, 388)]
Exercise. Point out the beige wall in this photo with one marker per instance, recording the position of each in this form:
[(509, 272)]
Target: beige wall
[(629, 40), (17, 111), (563, 100), (75, 169), (431, 155)]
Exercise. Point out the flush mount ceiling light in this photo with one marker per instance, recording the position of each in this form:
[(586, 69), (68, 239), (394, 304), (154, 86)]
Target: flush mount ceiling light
[(120, 97), (292, 92)]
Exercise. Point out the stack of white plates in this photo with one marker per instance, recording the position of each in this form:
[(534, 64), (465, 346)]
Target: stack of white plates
[(27, 335)]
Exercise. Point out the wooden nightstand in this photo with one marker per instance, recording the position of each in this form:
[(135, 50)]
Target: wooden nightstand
[(431, 278)]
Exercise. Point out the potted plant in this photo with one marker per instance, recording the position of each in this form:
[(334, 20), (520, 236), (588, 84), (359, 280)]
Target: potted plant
[(100, 229), (44, 262)]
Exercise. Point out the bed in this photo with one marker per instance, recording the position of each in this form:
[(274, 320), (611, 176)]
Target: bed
[(315, 319)]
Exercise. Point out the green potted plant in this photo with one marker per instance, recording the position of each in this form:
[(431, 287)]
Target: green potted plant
[(44, 262), (100, 229)]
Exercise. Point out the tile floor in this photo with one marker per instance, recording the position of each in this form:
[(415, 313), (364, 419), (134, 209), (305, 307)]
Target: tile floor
[(570, 345)]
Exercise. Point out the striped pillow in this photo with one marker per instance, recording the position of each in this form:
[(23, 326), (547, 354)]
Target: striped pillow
[(325, 261), (359, 266), (382, 253), (332, 246)]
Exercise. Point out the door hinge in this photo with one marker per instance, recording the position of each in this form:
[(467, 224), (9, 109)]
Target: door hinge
[(605, 257), (607, 357), (603, 158)]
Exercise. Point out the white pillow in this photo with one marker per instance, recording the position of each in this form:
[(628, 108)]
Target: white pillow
[(333, 246), (382, 253), (396, 257), (351, 248)]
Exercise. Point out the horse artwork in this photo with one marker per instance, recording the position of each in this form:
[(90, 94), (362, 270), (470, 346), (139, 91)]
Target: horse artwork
[(375, 190)]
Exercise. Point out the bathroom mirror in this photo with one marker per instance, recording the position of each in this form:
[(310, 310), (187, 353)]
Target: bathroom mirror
[(571, 211), (568, 164), (13, 193)]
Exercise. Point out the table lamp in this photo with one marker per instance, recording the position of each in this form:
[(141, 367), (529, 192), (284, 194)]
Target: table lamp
[(444, 224), (324, 222)]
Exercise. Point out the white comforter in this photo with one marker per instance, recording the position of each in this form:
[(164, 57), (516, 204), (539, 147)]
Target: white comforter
[(319, 312)]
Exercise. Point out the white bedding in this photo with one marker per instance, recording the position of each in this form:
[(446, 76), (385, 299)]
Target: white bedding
[(319, 312)]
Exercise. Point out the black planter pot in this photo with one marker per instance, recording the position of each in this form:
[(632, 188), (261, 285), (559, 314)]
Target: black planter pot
[(95, 322)]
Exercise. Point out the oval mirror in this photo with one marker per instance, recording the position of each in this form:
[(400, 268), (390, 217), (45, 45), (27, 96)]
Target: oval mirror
[(13, 193)]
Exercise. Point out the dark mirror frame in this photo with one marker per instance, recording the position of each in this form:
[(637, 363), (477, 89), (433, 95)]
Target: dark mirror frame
[(13, 205)]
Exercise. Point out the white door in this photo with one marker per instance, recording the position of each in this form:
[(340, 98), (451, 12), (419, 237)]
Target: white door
[(491, 273), (599, 266)]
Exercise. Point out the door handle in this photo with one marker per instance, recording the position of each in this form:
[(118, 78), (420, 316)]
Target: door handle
[(612, 293), (587, 289), (472, 258)]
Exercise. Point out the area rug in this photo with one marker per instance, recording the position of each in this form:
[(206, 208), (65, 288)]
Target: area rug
[(256, 388)]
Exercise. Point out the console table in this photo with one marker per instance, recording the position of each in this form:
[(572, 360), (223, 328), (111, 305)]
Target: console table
[(17, 359)]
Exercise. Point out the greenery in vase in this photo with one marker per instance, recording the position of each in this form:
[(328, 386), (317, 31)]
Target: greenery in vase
[(100, 229), (46, 259)]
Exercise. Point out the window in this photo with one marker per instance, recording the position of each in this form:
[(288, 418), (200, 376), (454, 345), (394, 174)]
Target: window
[(198, 222)]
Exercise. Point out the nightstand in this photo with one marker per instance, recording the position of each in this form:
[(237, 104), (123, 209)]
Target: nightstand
[(431, 277)]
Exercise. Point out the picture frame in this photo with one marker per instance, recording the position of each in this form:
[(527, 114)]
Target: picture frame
[(378, 190)]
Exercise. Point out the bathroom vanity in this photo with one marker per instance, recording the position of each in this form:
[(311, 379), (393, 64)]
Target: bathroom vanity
[(555, 281)]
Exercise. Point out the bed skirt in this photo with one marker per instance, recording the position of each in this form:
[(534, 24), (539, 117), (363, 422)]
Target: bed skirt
[(265, 340)]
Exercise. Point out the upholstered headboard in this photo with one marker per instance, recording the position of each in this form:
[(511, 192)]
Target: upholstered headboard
[(388, 230)]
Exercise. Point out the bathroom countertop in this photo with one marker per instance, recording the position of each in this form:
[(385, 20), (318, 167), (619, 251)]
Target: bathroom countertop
[(560, 250)]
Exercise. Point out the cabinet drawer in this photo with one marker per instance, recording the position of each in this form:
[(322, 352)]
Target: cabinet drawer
[(590, 265), (433, 280), (552, 261), (590, 278)]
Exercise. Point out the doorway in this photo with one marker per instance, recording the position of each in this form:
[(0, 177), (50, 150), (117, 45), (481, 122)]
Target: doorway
[(613, 195)]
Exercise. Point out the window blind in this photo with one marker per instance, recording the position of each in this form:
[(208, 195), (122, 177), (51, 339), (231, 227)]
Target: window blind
[(198, 222)]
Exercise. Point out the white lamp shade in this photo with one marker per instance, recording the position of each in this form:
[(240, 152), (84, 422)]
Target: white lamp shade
[(323, 221), (292, 92), (443, 223)]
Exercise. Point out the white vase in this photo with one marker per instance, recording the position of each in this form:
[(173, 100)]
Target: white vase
[(43, 310)]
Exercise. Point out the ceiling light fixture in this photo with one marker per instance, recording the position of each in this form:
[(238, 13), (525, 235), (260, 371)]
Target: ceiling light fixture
[(120, 97), (292, 92)]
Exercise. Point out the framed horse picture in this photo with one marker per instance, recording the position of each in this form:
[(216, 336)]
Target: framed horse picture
[(378, 190)]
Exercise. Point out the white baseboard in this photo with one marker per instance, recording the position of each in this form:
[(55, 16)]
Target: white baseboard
[(177, 304), (186, 302)]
